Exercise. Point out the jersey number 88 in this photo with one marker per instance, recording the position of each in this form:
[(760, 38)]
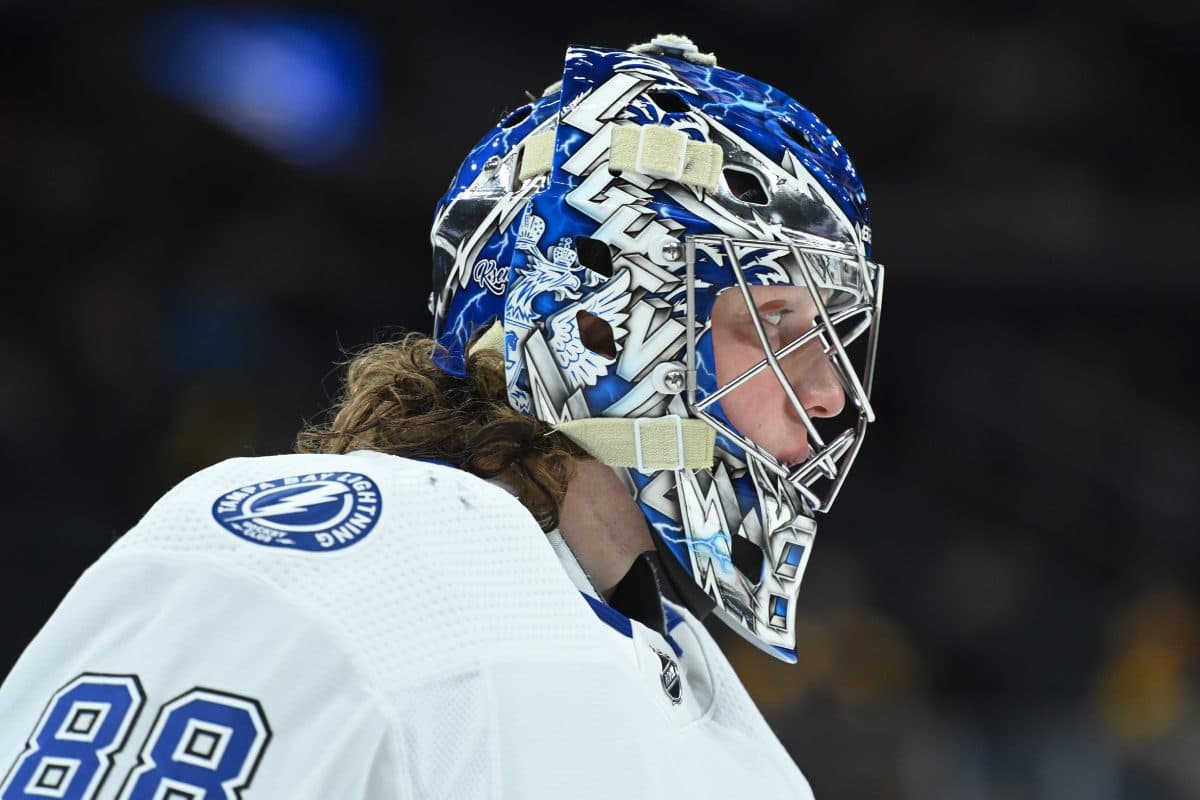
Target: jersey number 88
[(203, 744)]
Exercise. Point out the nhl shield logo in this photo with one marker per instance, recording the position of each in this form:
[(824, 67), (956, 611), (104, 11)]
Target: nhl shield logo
[(669, 675)]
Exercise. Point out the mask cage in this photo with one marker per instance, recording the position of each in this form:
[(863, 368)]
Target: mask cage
[(847, 292)]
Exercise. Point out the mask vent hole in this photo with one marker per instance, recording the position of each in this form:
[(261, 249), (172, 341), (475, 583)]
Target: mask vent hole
[(745, 186), (596, 335), (747, 557), (669, 102), (802, 138), (517, 116), (595, 255)]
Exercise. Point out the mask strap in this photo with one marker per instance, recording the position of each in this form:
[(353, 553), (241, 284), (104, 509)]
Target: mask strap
[(662, 152), (537, 155), (646, 443)]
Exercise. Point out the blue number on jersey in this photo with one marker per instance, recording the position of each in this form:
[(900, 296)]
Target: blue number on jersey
[(71, 750), (204, 744)]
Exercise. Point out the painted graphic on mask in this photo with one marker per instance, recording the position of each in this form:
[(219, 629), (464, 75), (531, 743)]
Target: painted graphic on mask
[(812, 221)]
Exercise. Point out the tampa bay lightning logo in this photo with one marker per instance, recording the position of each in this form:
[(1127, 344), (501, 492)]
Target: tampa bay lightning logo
[(319, 512)]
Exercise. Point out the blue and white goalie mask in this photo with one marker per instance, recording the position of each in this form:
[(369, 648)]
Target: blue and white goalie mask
[(676, 262)]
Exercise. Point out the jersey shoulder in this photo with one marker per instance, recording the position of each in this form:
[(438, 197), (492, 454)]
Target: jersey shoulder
[(423, 568), (316, 503)]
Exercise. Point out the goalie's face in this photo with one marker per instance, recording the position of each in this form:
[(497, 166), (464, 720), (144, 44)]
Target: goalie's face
[(760, 407)]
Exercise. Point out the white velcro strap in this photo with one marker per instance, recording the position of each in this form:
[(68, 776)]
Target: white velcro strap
[(662, 152), (703, 164), (644, 443), (623, 147), (661, 456), (538, 157)]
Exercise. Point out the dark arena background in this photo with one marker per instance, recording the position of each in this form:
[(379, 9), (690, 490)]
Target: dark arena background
[(205, 207)]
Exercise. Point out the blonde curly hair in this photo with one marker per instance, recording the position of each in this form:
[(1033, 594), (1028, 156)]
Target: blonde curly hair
[(396, 399)]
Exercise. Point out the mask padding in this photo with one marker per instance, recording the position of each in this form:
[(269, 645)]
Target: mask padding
[(747, 557)]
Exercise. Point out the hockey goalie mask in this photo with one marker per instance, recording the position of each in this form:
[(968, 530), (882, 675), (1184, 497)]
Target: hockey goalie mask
[(716, 233)]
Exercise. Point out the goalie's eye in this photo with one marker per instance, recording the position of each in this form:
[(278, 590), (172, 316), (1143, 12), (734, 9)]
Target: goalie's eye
[(772, 317)]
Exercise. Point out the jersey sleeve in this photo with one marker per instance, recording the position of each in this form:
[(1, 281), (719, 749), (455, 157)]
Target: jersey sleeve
[(352, 627), (185, 674), (351, 672)]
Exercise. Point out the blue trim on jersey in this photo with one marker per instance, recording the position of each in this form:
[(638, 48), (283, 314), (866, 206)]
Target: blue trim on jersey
[(610, 616), (673, 617), (433, 461), (624, 626), (675, 646)]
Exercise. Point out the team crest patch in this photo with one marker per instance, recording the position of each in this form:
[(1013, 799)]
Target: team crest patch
[(318, 512)]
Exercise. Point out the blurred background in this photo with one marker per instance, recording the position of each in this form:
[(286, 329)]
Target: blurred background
[(205, 206)]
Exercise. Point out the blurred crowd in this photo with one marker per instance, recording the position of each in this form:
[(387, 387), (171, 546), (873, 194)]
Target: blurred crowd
[(1004, 602)]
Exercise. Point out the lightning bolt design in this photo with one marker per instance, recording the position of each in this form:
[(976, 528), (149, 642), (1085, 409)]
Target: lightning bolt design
[(714, 546), (320, 494)]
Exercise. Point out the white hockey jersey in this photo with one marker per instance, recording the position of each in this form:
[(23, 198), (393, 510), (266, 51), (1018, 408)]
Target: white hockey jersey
[(365, 626)]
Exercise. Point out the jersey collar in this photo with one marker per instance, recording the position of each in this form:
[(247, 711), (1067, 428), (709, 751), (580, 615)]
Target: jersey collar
[(639, 595)]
